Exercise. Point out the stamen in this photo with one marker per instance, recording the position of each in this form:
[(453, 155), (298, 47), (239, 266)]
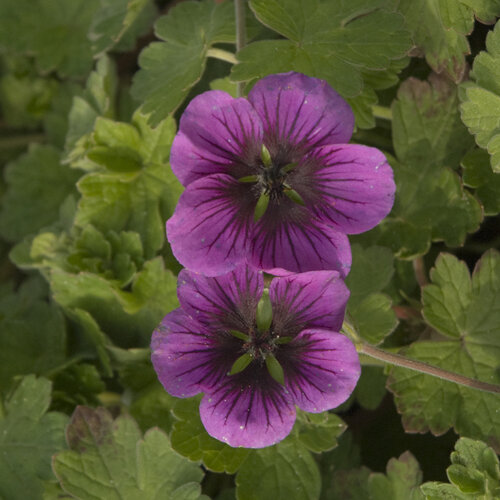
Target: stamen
[(264, 312), (261, 207), (249, 178), (275, 369), (239, 335), (283, 340), (241, 363), (294, 196), (266, 157)]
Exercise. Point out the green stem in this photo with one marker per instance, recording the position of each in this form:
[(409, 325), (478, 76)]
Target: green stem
[(223, 55), (412, 364), (382, 112), (239, 13), (419, 366)]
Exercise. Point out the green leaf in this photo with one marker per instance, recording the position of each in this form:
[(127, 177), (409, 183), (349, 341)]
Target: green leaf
[(374, 317), (170, 68), (370, 389), (371, 271), (318, 432), (285, 471), (115, 257), (478, 174), (332, 41), (134, 367), (114, 20), (98, 100), (481, 102), (190, 439), (25, 97), (439, 30), (87, 327), (110, 459), (402, 480), (77, 384), (38, 185), (474, 473), (224, 84), (33, 335), (127, 317), (152, 405), (426, 123), (429, 139), (133, 189), (467, 312), (350, 484), (371, 312), (54, 31), (29, 436)]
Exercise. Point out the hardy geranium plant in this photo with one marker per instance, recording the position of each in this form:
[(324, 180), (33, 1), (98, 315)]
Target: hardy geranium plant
[(271, 179), (257, 353)]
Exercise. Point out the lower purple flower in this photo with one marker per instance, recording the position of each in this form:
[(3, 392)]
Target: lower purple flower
[(257, 354)]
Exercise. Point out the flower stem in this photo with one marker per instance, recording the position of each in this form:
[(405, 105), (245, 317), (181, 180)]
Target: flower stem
[(223, 55), (419, 366), (239, 13), (382, 112)]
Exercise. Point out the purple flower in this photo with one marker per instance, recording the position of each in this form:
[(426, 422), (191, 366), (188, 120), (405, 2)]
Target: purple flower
[(257, 353), (271, 180)]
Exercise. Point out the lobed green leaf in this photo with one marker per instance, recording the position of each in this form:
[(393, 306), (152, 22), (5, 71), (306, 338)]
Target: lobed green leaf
[(29, 436), (170, 68), (467, 312), (110, 459)]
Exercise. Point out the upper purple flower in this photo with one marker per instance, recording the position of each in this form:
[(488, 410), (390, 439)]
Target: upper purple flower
[(271, 180), (256, 354)]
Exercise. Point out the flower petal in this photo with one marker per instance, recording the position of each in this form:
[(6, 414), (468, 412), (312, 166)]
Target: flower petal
[(307, 300), (300, 111), (227, 301), (208, 232), (217, 134), (289, 238), (321, 369), (189, 358), (353, 186), (252, 411)]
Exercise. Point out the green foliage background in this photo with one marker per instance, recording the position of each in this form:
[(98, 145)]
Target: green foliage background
[(90, 95)]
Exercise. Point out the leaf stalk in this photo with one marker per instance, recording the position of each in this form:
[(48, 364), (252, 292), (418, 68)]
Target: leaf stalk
[(239, 14), (412, 364)]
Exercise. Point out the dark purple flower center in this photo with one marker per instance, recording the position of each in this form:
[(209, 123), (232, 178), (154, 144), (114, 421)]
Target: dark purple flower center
[(272, 181)]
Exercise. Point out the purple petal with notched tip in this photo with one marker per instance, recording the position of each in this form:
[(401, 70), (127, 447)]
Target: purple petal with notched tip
[(301, 112), (248, 409)]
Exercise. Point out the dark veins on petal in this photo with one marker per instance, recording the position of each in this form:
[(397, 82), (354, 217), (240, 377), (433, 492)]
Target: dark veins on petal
[(222, 196), (255, 383)]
